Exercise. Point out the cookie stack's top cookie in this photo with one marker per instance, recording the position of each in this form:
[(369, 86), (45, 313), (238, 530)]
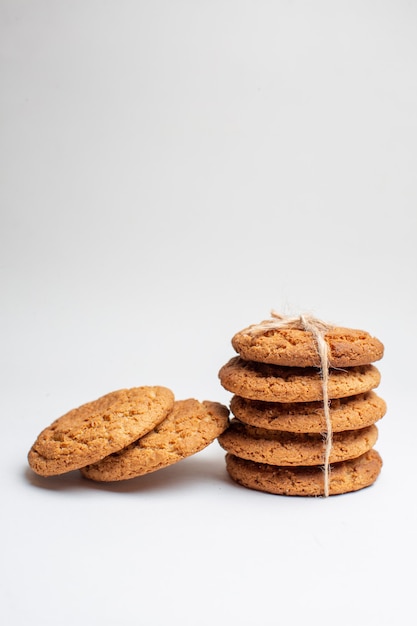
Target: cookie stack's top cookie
[(127, 433), (294, 381), (295, 347)]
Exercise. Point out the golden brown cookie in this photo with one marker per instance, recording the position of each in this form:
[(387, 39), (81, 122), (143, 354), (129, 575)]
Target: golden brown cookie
[(273, 383), (276, 447), (308, 417), (297, 348), (96, 429), (189, 427), (306, 481)]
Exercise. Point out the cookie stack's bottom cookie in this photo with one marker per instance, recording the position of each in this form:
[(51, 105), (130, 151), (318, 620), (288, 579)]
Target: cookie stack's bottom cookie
[(276, 441), (305, 481)]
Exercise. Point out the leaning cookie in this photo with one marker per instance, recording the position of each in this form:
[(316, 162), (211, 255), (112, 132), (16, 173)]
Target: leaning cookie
[(297, 348), (99, 428), (308, 417), (189, 427), (273, 383), (276, 447), (346, 476)]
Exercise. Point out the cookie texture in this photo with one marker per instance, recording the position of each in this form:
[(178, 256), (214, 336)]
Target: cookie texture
[(188, 428), (297, 348), (284, 448), (274, 383), (347, 413), (96, 429), (345, 477)]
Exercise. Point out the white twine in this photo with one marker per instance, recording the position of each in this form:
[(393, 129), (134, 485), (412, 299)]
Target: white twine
[(318, 329)]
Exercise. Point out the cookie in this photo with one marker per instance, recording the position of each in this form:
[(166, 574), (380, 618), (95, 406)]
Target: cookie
[(297, 348), (308, 417), (274, 383), (99, 428), (346, 476), (189, 427), (276, 447)]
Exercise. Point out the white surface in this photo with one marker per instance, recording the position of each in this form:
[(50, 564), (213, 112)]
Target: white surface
[(171, 171)]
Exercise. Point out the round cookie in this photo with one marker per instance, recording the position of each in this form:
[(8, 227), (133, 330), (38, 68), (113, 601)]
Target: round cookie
[(273, 383), (297, 348), (346, 476), (99, 428), (189, 427), (290, 449), (308, 417)]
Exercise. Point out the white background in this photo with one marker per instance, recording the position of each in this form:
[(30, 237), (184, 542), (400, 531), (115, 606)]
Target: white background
[(171, 171)]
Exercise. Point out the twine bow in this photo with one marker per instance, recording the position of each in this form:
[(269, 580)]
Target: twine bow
[(318, 329)]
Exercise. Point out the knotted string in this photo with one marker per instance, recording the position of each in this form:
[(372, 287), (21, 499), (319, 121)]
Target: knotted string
[(318, 329)]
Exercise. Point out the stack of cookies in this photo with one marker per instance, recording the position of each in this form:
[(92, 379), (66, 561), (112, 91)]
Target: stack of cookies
[(276, 440), (127, 433)]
